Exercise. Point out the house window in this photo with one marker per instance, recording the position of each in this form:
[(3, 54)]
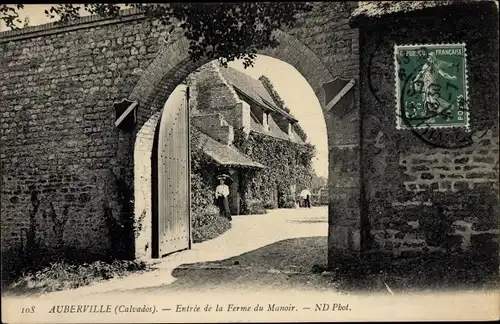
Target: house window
[(290, 131)]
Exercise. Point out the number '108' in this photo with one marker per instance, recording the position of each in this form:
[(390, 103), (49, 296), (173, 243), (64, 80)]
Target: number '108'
[(27, 310)]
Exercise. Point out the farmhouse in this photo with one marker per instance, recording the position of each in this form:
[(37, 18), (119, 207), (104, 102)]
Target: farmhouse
[(228, 105)]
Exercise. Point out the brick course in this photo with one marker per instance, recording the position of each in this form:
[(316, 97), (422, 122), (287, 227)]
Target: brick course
[(406, 180)]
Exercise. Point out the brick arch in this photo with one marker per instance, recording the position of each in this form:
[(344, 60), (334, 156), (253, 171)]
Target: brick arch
[(172, 65)]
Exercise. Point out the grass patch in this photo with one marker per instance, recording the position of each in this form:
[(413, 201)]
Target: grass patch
[(254, 207), (63, 275)]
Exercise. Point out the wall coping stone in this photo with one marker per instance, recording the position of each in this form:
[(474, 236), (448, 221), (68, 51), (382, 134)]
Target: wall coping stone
[(80, 23), (371, 11)]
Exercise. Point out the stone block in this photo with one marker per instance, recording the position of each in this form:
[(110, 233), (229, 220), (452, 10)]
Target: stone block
[(454, 242), (485, 244), (344, 158), (342, 241)]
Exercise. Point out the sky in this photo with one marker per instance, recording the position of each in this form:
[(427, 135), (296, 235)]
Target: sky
[(300, 99), (288, 82)]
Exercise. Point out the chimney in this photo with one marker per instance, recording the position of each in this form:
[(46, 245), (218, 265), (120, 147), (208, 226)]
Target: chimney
[(215, 126), (242, 116)]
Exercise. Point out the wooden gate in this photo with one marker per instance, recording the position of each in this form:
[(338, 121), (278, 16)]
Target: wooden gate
[(171, 190)]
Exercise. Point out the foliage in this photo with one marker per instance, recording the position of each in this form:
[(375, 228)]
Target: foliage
[(31, 252), (300, 131), (205, 219), (254, 207), (203, 175), (240, 29), (270, 204), (288, 164), (63, 275), (318, 182), (201, 190), (270, 88), (10, 15), (287, 201), (208, 224)]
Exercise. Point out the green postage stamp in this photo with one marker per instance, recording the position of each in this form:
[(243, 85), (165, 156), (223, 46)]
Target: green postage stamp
[(431, 86)]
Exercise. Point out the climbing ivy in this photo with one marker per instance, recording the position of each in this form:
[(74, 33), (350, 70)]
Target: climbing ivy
[(205, 219), (203, 176), (270, 88), (287, 164)]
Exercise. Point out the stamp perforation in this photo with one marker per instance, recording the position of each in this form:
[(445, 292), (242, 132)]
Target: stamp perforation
[(398, 112)]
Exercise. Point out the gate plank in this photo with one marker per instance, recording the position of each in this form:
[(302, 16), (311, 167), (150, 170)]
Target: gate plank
[(173, 178)]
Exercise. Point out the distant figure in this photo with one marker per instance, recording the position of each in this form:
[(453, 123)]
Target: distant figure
[(306, 198), (221, 193)]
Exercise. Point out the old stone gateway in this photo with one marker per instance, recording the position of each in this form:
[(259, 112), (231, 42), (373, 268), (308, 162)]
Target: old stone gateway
[(70, 176)]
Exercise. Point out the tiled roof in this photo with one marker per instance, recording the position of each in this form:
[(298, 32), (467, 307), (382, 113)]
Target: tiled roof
[(256, 126), (252, 88), (224, 154), (274, 131)]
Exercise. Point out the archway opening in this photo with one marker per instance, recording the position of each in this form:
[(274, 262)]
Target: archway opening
[(262, 127), (341, 117)]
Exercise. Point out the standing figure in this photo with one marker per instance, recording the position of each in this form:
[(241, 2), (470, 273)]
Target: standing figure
[(221, 193), (425, 82), (306, 198)]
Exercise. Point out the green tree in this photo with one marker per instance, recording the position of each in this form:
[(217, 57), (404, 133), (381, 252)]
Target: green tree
[(318, 182), (227, 31)]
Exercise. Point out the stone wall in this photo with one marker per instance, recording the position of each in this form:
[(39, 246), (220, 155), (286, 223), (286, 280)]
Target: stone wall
[(58, 136), (68, 175), (326, 32), (475, 167), (215, 126), (418, 196), (212, 90), (242, 116)]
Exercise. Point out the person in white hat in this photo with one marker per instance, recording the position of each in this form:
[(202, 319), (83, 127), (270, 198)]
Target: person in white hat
[(221, 193)]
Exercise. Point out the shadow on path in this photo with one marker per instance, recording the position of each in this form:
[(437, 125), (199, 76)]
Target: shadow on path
[(284, 265), (420, 273), (299, 264)]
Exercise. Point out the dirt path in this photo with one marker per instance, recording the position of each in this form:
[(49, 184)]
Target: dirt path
[(264, 260), (272, 251)]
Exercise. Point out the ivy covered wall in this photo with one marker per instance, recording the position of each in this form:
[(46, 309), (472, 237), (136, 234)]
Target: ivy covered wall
[(287, 164), (205, 220)]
